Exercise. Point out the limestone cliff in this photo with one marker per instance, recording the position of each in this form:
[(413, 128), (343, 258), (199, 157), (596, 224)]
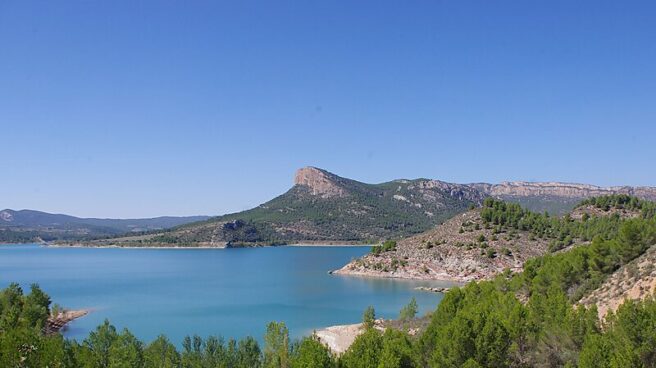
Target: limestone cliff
[(320, 182), (565, 190)]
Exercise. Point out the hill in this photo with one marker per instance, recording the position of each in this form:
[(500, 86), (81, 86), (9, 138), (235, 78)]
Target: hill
[(28, 226), (483, 242), (324, 208), (461, 250)]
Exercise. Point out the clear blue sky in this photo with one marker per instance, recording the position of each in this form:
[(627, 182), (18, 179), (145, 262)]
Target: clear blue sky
[(145, 108)]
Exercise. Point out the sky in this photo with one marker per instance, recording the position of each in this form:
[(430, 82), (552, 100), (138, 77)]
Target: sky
[(147, 108)]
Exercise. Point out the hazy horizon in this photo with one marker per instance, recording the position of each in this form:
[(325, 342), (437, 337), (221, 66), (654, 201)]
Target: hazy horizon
[(133, 110)]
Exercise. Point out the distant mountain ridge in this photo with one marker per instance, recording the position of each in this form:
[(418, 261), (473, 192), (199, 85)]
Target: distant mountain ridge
[(30, 225), (323, 207), (556, 197)]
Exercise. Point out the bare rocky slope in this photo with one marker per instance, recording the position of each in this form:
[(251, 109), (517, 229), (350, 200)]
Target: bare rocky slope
[(460, 250), (634, 281), (322, 207)]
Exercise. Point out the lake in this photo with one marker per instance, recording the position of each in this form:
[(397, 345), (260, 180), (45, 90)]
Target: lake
[(227, 292)]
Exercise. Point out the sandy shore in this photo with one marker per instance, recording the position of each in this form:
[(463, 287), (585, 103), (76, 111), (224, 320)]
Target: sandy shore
[(339, 338)]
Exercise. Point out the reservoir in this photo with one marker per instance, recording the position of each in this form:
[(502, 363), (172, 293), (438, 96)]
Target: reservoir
[(222, 292)]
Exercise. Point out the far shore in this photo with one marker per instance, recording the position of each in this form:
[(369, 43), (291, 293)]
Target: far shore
[(125, 246), (324, 244), (115, 246)]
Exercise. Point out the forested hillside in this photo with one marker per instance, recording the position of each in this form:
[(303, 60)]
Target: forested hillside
[(26, 226)]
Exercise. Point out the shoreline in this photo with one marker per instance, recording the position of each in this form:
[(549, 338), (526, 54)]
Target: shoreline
[(308, 245), (446, 279), (55, 324), (325, 245), (122, 247), (339, 338)]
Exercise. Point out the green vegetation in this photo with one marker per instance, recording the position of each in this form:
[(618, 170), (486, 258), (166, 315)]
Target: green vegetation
[(622, 201), (383, 350), (387, 246), (409, 311), (515, 320), (561, 231), (369, 317)]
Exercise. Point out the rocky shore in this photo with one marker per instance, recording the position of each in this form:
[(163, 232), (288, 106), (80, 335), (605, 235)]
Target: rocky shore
[(56, 323), (433, 289)]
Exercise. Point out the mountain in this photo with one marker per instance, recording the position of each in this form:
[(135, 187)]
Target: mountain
[(29, 225), (325, 208)]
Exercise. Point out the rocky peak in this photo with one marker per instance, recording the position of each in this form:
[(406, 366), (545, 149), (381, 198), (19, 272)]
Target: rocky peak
[(320, 182), (459, 191), (6, 216)]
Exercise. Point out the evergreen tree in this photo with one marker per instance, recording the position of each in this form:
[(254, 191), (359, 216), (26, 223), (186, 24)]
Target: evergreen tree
[(369, 317), (161, 354), (409, 311), (311, 353), (276, 346)]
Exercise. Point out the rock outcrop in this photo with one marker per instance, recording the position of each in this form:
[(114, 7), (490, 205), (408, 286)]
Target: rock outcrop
[(6, 216), (633, 281), (320, 182)]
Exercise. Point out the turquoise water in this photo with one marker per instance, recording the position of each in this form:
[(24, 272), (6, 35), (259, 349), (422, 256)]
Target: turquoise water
[(227, 292)]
